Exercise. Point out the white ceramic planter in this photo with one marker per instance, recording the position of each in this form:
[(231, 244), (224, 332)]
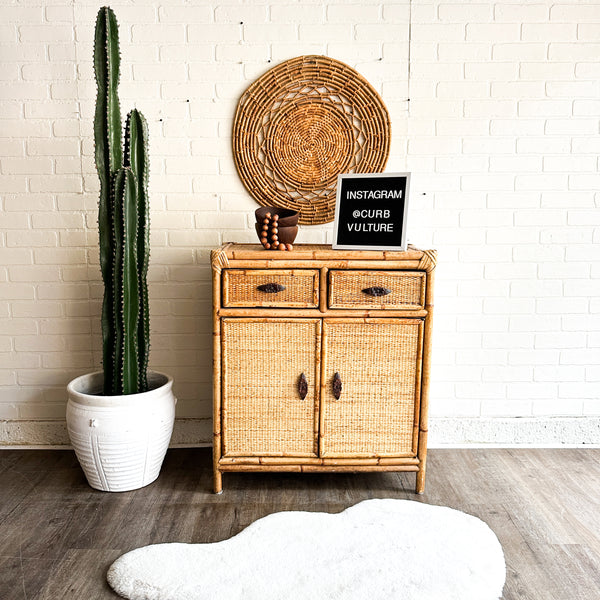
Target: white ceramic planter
[(120, 441)]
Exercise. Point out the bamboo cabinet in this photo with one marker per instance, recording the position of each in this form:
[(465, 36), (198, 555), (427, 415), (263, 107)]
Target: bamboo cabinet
[(321, 359)]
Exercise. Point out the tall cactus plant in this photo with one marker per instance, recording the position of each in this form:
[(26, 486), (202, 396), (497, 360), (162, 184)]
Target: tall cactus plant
[(123, 221)]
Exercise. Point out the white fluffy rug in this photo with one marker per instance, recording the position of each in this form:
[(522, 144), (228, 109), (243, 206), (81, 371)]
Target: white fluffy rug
[(377, 549)]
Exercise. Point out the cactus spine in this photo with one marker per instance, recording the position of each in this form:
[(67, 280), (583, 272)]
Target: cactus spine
[(123, 222)]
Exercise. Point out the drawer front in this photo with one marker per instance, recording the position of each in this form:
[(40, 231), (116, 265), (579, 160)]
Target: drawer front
[(297, 288), (396, 290)]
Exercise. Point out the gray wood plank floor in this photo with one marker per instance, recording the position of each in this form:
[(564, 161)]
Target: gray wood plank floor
[(58, 536)]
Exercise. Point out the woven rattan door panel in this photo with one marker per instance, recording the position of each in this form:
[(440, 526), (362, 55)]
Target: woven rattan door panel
[(294, 288), (377, 289), (263, 412), (378, 362)]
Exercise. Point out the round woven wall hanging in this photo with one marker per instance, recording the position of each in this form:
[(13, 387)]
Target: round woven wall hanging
[(299, 126)]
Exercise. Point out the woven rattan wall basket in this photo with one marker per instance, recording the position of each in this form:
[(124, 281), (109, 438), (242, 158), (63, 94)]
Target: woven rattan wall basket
[(299, 126)]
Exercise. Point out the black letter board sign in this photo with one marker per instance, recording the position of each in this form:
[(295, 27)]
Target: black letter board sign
[(370, 211)]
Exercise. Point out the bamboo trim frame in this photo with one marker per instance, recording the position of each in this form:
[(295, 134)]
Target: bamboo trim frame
[(299, 468), (323, 258), (327, 462), (216, 259)]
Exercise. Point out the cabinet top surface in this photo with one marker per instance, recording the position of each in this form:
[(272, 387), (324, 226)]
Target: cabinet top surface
[(305, 252)]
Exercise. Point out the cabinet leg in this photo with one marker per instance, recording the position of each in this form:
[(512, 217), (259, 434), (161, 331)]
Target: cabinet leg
[(420, 487), (217, 482)]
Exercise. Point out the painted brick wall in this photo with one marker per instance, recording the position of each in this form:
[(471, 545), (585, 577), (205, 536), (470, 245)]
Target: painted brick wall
[(501, 133)]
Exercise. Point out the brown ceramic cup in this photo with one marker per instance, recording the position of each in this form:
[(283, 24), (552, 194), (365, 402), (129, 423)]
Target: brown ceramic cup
[(287, 225)]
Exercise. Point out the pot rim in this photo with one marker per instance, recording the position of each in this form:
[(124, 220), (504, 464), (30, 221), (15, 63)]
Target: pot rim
[(161, 384), (287, 216)]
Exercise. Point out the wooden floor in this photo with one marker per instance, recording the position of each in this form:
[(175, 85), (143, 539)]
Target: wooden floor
[(58, 536)]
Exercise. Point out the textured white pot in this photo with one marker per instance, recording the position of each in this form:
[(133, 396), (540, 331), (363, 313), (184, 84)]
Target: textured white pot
[(120, 441)]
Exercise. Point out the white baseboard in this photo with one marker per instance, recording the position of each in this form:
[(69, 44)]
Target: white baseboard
[(549, 432), (187, 433)]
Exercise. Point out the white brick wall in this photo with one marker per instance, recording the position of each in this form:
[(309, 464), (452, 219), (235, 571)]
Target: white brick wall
[(501, 133)]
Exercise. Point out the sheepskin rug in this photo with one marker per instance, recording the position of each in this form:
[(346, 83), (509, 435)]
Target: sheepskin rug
[(377, 549)]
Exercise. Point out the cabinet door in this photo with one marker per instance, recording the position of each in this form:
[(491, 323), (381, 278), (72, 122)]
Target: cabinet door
[(268, 365), (379, 366)]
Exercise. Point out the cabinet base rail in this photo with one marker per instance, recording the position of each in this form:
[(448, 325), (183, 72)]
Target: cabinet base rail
[(313, 468), (328, 462), (318, 468)]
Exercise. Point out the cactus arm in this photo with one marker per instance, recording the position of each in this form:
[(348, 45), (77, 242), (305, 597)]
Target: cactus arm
[(107, 121), (108, 154), (125, 277), (136, 157)]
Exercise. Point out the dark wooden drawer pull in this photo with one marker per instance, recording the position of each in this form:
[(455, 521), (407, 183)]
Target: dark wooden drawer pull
[(337, 386), (377, 291), (302, 386), (270, 288)]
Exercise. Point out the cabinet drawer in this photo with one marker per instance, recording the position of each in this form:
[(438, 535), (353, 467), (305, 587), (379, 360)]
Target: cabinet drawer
[(298, 288), (377, 289)]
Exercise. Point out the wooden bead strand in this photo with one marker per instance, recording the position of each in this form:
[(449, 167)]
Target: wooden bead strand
[(274, 231), (264, 235), (269, 236)]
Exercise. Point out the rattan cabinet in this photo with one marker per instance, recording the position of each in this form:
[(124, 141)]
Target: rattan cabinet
[(321, 359)]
